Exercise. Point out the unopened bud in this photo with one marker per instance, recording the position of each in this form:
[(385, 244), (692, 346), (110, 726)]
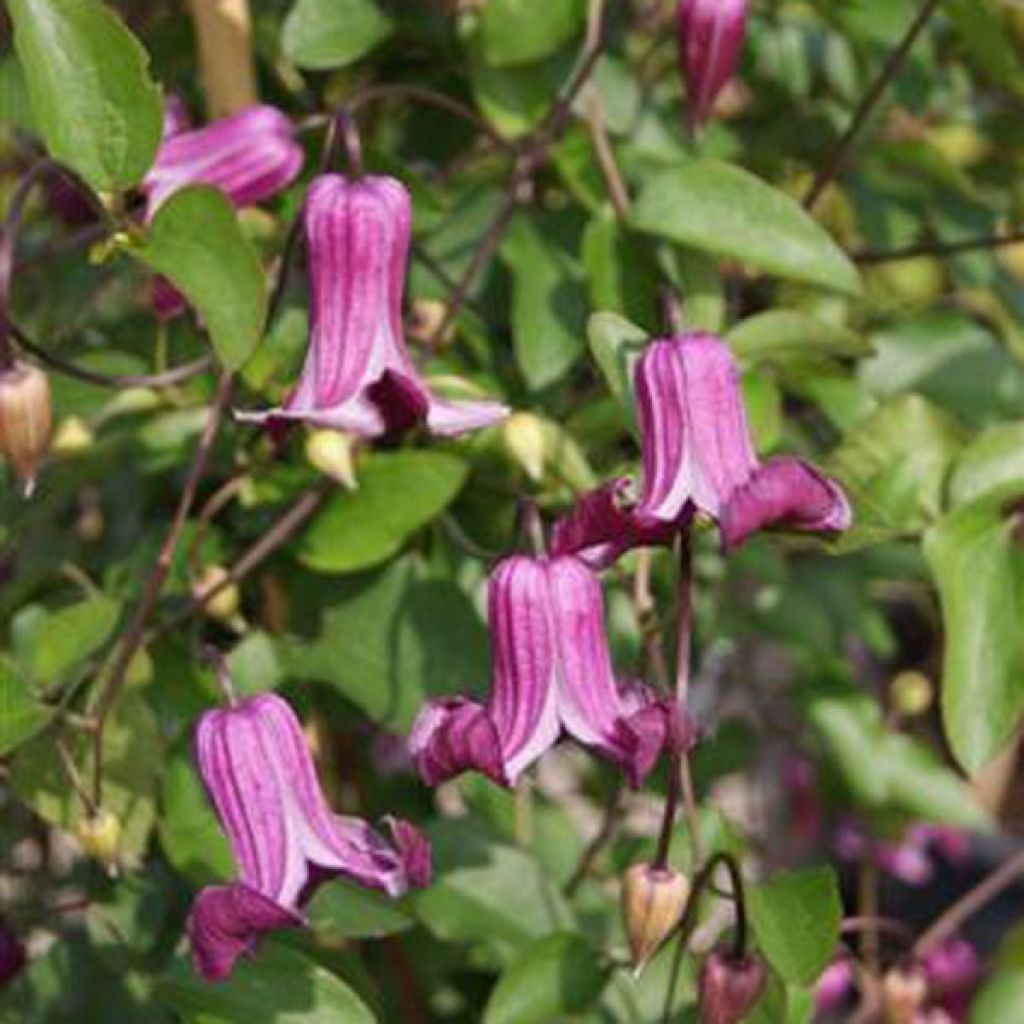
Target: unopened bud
[(904, 990), (728, 987), (25, 420), (332, 452), (912, 693), (100, 836), (710, 41), (71, 437), (653, 900), (224, 605), (523, 434), (425, 319)]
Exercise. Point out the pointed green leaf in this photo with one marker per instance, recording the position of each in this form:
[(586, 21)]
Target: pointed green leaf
[(21, 715), (322, 34)]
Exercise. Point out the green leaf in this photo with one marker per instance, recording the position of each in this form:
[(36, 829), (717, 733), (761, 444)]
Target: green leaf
[(1000, 999), (781, 337), (195, 241), (516, 100), (990, 46), (621, 276), (278, 985), (894, 466), (616, 345), (321, 34), (398, 494), (344, 910), (718, 208), (391, 639), (520, 31), (978, 563), (796, 917), (487, 892), (89, 86), (994, 460), (21, 716), (561, 975), (548, 301)]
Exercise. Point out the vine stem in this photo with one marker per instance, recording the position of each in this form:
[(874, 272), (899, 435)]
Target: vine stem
[(909, 252), (603, 836), (132, 638), (840, 151), (970, 903)]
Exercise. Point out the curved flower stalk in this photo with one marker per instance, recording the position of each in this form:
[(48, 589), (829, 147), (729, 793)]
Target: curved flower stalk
[(551, 672), (285, 840), (249, 157), (698, 458), (358, 375), (710, 41)]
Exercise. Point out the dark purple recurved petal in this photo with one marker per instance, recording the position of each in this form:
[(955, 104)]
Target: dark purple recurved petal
[(249, 156), (358, 375), (695, 439), (789, 493), (710, 42), (604, 524), (226, 921), (413, 850), (452, 736)]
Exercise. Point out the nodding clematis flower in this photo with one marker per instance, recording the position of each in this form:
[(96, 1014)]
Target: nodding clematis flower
[(262, 782), (551, 672), (710, 41), (698, 457), (358, 375), (249, 157), (953, 971)]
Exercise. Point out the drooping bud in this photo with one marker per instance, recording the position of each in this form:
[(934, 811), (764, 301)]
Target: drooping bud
[(728, 987), (653, 900), (224, 604), (100, 836), (710, 40), (904, 990), (26, 420)]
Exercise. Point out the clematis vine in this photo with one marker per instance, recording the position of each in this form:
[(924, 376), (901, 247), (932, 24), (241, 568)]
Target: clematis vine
[(551, 673), (248, 156), (710, 36), (285, 840), (358, 374), (698, 458)]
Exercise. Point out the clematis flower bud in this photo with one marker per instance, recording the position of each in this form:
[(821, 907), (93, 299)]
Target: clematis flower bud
[(953, 971), (26, 420), (333, 453), (710, 41), (285, 840), (523, 434), (358, 375), (728, 987), (249, 157), (904, 990), (697, 449), (100, 836), (789, 493), (551, 671), (13, 956), (835, 986), (653, 900)]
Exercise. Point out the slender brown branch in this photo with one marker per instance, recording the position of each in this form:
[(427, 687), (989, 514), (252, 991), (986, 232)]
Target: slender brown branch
[(74, 778), (165, 379), (937, 248), (132, 637), (953, 918), (592, 850), (614, 183), (840, 151)]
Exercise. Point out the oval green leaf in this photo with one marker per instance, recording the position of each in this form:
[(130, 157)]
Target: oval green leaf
[(721, 209), (320, 34), (89, 87)]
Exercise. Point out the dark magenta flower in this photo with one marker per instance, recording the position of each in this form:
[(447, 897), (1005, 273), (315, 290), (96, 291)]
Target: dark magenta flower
[(728, 987), (710, 41), (285, 839), (13, 956), (358, 374), (953, 971), (552, 672), (787, 493)]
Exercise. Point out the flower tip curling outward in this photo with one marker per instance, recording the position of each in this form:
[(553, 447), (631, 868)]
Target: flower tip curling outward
[(285, 840), (697, 448), (551, 673), (789, 493), (710, 36), (358, 374)]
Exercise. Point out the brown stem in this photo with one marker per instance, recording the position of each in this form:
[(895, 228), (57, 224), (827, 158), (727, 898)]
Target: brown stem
[(165, 379), (215, 656), (668, 816), (221, 497), (597, 844), (840, 151), (224, 32), (937, 248), (133, 636), (74, 779), (613, 181), (684, 620), (971, 902)]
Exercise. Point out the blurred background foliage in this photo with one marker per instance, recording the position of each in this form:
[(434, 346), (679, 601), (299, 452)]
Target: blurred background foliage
[(891, 664)]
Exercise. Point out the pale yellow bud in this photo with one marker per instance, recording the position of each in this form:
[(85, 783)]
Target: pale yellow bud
[(224, 605), (71, 436), (332, 452), (425, 319), (523, 434), (904, 991), (911, 693), (100, 836), (25, 420), (653, 900)]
